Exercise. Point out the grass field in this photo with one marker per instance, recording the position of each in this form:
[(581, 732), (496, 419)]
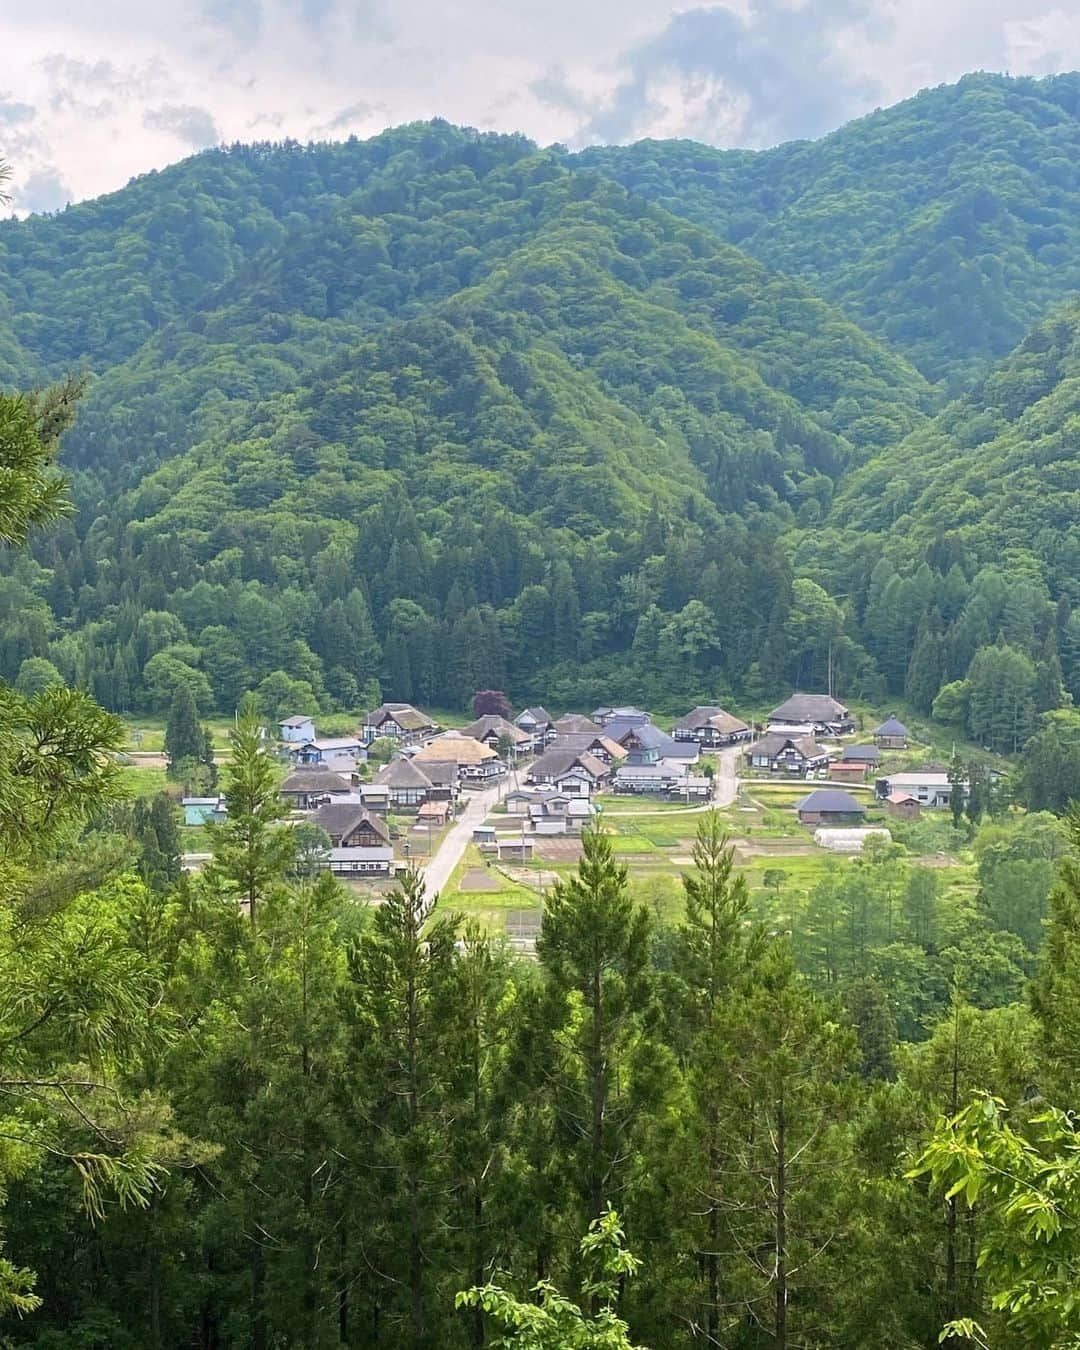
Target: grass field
[(139, 781)]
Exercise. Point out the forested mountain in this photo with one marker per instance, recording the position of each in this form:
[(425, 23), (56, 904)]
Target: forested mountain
[(442, 393), (963, 540), (948, 225), (474, 399)]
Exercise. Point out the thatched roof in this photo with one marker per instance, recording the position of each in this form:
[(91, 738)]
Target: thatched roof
[(809, 708), (454, 745), (772, 744), (307, 782), (575, 722), (404, 714), (340, 820), (493, 725), (402, 773)]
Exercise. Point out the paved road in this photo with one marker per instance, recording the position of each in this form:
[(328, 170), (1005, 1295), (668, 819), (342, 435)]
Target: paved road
[(437, 870)]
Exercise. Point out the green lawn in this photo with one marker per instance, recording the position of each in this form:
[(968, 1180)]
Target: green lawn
[(139, 781)]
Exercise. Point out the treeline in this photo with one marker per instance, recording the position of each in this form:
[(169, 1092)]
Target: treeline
[(344, 1116)]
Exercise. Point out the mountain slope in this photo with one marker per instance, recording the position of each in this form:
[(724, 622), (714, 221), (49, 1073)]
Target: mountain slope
[(948, 225), (347, 270), (997, 472)]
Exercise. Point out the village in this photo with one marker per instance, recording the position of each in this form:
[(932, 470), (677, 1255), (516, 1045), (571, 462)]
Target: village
[(492, 811)]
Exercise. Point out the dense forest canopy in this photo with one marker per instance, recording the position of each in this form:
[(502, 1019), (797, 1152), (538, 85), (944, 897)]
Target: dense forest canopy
[(946, 225), (485, 401)]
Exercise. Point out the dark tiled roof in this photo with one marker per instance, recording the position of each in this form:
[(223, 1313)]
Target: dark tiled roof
[(861, 754), (892, 726), (652, 738), (833, 800)]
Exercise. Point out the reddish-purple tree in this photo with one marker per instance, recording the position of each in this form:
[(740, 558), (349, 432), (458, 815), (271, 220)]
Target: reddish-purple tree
[(491, 703)]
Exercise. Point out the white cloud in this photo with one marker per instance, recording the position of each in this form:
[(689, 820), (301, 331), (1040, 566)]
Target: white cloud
[(95, 94), (194, 126)]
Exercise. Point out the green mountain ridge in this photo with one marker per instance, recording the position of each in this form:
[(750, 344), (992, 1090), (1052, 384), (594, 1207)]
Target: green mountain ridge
[(947, 225), (441, 410), (995, 473)]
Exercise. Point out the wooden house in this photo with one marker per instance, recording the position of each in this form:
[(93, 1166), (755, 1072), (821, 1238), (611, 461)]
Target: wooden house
[(644, 736), (711, 727), (434, 814), (903, 805), (308, 789), (494, 731), (812, 714), (632, 716), (576, 773), (537, 724), (351, 826), (830, 806), (575, 722), (848, 771), (794, 755), (892, 734), (594, 743), (399, 721), (376, 861), (476, 762), (407, 784)]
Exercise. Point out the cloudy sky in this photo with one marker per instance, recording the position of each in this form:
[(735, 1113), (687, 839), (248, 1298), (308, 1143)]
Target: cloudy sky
[(94, 93)]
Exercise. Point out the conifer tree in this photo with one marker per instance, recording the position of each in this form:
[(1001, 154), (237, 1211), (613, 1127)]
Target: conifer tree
[(252, 848), (594, 949), (401, 977)]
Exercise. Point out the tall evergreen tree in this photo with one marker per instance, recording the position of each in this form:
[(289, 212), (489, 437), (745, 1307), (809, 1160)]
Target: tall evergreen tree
[(252, 848), (594, 949)]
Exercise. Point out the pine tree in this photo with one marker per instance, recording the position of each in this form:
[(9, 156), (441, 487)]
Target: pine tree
[(252, 848), (402, 983), (715, 952), (594, 949)]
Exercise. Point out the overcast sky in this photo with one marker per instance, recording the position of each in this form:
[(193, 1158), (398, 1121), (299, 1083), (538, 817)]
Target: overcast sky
[(94, 93)]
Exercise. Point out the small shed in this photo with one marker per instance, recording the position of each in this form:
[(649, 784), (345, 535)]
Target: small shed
[(484, 835), (513, 848), (892, 734), (434, 814), (903, 805), (202, 810), (830, 806), (848, 771)]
